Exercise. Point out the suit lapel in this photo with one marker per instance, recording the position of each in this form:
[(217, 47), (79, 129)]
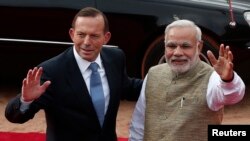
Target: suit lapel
[(78, 84), (107, 63)]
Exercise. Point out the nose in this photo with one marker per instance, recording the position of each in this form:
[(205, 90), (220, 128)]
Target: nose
[(86, 40), (178, 51)]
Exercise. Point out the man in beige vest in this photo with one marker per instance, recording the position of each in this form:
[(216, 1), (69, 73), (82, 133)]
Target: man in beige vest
[(180, 98)]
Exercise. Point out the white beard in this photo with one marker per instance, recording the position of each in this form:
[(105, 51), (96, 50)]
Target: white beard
[(180, 69)]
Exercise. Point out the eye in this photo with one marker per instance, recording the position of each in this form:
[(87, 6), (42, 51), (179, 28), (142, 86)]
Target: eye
[(186, 46), (81, 35), (94, 36), (171, 45)]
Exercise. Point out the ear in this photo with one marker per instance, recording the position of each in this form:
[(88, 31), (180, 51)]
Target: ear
[(71, 33), (107, 37), (200, 45)]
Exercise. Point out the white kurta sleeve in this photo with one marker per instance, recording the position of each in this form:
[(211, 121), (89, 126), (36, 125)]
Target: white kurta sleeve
[(221, 93), (136, 130)]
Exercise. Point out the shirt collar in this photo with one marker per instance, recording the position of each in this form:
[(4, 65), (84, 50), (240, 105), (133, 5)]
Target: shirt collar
[(84, 64)]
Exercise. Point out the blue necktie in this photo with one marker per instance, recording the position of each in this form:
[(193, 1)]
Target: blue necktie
[(96, 92)]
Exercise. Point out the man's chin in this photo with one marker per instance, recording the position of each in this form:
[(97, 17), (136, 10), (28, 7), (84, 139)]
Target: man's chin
[(179, 69), (88, 57)]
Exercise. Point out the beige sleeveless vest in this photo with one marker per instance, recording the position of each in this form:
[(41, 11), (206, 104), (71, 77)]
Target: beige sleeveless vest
[(176, 106)]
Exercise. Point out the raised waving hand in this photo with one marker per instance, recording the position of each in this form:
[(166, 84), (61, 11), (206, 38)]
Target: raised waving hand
[(224, 64), (31, 88)]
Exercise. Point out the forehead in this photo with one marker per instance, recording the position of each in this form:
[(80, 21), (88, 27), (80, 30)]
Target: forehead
[(181, 33), (90, 22)]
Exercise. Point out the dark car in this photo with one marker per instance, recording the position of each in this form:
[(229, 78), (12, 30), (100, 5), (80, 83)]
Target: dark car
[(32, 31)]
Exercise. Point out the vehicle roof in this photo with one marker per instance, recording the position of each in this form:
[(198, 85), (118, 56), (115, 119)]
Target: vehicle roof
[(239, 4)]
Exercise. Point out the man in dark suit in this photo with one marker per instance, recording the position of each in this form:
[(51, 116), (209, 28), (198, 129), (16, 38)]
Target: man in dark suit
[(61, 85)]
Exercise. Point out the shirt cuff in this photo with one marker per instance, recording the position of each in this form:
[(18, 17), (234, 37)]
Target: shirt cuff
[(24, 105)]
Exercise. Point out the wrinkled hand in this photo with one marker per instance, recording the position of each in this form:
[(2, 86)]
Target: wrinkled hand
[(31, 88), (223, 65)]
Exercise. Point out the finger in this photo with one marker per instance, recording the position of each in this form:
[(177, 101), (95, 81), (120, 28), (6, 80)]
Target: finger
[(211, 57), (46, 84), (221, 51), (24, 86), (35, 69), (24, 82), (227, 49), (231, 66), (39, 74), (28, 77), (230, 71), (31, 75), (230, 56)]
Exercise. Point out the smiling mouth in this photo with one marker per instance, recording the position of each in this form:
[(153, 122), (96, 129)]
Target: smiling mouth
[(179, 62), (84, 50)]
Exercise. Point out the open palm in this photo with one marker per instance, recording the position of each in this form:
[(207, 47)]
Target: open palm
[(223, 65), (31, 88)]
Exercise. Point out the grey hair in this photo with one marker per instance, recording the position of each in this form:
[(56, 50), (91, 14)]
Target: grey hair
[(185, 23)]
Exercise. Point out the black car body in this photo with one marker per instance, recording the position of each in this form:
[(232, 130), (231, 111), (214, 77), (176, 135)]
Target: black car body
[(32, 31)]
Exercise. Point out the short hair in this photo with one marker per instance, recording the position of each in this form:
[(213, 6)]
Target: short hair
[(91, 12), (185, 23)]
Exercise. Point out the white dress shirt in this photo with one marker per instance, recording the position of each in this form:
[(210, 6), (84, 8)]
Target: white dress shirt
[(219, 93), (86, 72)]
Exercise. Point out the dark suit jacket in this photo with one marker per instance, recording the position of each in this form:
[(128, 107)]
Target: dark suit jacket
[(69, 111)]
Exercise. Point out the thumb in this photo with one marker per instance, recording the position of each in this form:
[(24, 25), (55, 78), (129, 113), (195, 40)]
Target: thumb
[(211, 57), (45, 85)]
